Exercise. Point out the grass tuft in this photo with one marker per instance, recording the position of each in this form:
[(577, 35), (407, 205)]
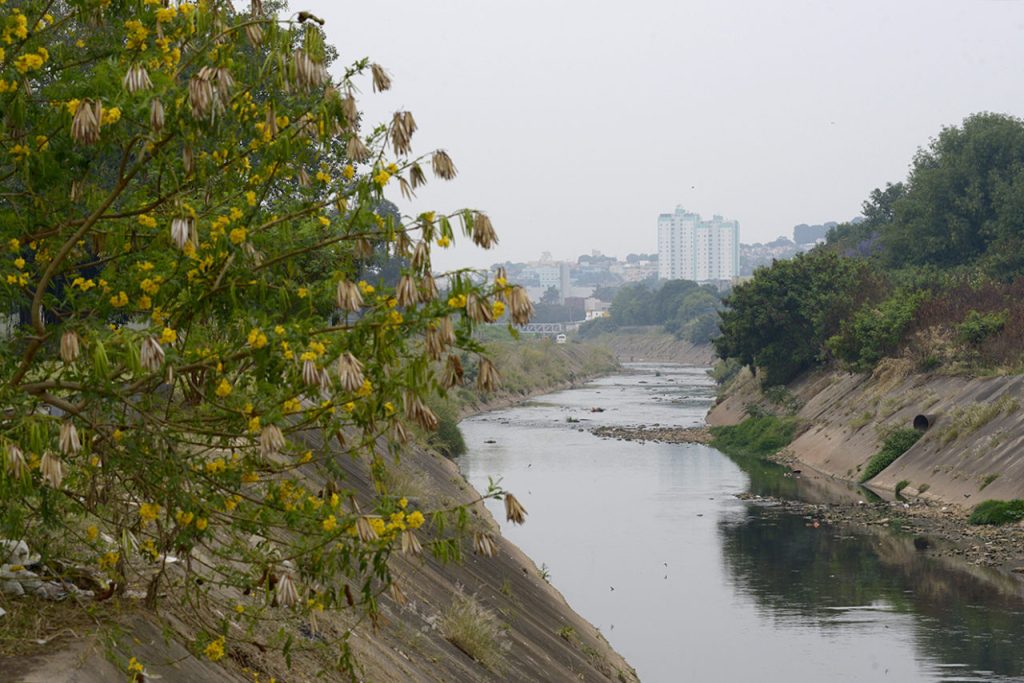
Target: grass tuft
[(895, 445), (473, 628), (998, 512)]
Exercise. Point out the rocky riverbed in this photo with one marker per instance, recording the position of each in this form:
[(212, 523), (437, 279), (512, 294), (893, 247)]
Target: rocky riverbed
[(940, 529), (656, 433)]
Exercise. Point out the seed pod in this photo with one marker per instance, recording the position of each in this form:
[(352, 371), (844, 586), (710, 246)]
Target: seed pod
[(15, 463), (349, 297), (487, 377), (398, 433), (401, 134), (406, 292), (365, 530), (483, 232), (156, 114), (416, 176), (69, 441), (254, 34), (419, 413), (200, 94), (69, 347), (286, 593), (520, 305), (181, 229), (356, 150), (428, 290), (484, 544), (350, 372), (411, 544), (152, 354), (85, 127), (381, 80), (51, 469), (514, 511), (349, 109), (396, 593), (271, 441), (478, 309), (443, 166), (310, 374), (137, 78), (187, 160), (452, 374)]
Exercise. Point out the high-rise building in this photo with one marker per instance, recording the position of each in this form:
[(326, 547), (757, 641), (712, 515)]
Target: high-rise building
[(693, 249)]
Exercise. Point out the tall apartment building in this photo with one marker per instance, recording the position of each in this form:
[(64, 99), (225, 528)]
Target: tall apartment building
[(693, 249)]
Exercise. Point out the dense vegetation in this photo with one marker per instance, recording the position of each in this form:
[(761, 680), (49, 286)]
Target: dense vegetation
[(683, 308), (933, 273), (758, 435), (896, 444), (998, 512)]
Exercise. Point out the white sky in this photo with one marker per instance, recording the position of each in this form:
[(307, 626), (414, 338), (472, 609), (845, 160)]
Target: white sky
[(574, 123)]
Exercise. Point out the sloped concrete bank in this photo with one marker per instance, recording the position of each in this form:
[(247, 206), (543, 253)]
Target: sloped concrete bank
[(652, 344), (969, 452)]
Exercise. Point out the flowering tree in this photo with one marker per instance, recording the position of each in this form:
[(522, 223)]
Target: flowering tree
[(187, 197)]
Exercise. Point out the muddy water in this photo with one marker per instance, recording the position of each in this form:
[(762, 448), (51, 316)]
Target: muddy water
[(650, 543)]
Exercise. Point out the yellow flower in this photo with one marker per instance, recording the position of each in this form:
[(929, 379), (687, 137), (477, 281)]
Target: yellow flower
[(303, 292), (168, 336), (150, 286), (444, 242), (184, 518), (147, 221), (224, 388), (348, 172), (109, 116), (365, 287), (306, 457), (324, 220), (202, 523), (215, 650), (498, 308), (118, 300), (135, 666), (19, 152), (254, 424), (330, 524), (237, 236), (257, 339), (292, 405), (148, 512), (166, 14), (250, 198), (92, 533), (389, 408), (240, 609), (144, 302), (415, 520), (323, 177), (458, 301), (19, 263), (382, 178)]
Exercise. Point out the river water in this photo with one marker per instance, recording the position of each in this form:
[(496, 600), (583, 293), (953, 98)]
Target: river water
[(650, 543)]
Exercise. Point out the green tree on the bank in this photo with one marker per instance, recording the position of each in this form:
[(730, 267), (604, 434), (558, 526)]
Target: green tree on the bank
[(933, 254), (187, 201), (684, 308)]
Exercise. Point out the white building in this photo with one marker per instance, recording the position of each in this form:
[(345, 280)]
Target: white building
[(693, 249)]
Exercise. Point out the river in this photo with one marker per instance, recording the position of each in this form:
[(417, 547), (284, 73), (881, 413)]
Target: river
[(689, 582)]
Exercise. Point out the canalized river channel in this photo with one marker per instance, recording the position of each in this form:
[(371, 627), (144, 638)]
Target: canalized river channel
[(691, 583)]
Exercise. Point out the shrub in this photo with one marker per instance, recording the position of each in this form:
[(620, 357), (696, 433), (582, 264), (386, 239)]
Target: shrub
[(977, 326), (876, 331), (895, 445), (448, 439), (903, 483), (998, 512), (758, 436), (986, 480)]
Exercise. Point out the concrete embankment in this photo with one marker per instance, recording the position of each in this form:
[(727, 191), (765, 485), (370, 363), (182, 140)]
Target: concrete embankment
[(652, 343), (970, 449)]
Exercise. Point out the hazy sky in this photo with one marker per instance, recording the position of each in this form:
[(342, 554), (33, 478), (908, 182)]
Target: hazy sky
[(574, 123)]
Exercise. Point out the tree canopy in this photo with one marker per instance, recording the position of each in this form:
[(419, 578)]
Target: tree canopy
[(201, 269)]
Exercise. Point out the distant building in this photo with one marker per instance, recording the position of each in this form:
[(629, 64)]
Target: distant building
[(690, 248)]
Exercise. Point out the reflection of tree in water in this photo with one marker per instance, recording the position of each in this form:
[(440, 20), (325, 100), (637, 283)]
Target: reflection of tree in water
[(794, 570)]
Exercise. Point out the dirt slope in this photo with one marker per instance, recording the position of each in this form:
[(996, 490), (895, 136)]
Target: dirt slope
[(635, 344)]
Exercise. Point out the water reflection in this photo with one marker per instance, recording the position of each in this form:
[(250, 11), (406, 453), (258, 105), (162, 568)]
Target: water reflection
[(651, 544)]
